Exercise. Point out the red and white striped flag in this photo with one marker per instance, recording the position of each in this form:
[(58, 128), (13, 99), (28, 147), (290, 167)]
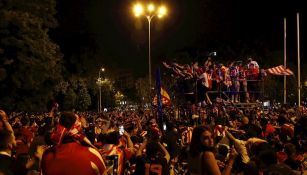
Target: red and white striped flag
[(280, 70)]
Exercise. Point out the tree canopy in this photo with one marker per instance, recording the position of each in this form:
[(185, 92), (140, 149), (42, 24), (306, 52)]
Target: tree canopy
[(30, 61)]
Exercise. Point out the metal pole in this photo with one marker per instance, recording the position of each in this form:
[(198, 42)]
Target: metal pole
[(149, 53), (298, 60), (99, 103), (285, 59), (100, 98)]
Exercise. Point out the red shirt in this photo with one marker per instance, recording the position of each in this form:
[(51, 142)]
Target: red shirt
[(72, 159), (21, 147), (27, 133), (288, 129), (269, 129)]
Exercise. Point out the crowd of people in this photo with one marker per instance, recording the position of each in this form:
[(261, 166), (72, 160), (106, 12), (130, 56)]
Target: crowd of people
[(225, 140), (238, 81)]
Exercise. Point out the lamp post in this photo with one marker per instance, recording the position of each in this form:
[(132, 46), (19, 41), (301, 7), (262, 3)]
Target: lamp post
[(150, 13), (100, 82)]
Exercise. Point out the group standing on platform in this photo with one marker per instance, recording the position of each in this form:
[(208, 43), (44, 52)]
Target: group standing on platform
[(202, 83)]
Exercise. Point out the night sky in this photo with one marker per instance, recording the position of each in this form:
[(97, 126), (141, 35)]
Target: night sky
[(192, 26)]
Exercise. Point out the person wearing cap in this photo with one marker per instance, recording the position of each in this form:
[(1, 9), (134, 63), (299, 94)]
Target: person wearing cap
[(253, 77), (251, 62), (253, 69)]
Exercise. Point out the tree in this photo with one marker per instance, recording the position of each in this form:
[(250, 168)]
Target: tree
[(30, 60), (84, 98), (70, 100), (73, 94)]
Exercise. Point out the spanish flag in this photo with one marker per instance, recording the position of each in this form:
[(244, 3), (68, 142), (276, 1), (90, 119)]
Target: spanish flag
[(166, 100)]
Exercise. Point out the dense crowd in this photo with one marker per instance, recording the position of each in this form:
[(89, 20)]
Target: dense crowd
[(237, 80), (224, 140)]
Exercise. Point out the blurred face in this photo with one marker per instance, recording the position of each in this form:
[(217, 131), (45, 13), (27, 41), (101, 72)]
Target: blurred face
[(152, 121), (206, 139), (245, 120), (99, 123), (135, 131)]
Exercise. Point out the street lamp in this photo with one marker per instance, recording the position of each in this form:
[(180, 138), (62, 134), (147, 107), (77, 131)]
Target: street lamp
[(100, 82), (150, 12)]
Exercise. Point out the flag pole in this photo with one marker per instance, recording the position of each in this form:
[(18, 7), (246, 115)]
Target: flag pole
[(159, 98), (298, 60), (285, 59)]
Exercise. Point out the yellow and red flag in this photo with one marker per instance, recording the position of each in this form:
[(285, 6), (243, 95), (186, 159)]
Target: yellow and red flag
[(166, 100)]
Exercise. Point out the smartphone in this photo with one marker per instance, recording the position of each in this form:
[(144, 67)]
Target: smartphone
[(164, 126), (266, 104), (121, 130)]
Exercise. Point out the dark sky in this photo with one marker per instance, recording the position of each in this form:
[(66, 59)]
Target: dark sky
[(192, 26)]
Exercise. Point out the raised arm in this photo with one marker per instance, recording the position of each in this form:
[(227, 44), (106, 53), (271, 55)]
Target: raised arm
[(166, 154), (229, 135)]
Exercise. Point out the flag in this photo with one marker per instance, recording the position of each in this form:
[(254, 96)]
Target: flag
[(166, 100), (279, 70)]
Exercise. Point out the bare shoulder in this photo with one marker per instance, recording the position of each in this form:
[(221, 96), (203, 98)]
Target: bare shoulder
[(210, 163), (208, 155)]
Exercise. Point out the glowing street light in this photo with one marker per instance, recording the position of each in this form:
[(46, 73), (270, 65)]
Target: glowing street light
[(138, 10), (151, 12), (151, 8), (162, 11)]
